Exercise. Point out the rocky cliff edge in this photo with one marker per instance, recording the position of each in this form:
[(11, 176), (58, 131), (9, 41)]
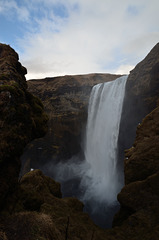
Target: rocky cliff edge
[(22, 119)]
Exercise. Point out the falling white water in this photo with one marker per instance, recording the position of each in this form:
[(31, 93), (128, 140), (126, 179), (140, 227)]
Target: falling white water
[(104, 113), (97, 181)]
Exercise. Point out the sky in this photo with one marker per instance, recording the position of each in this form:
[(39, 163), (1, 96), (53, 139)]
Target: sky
[(64, 37)]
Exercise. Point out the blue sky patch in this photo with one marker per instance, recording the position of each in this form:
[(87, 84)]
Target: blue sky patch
[(60, 10), (133, 10), (10, 30)]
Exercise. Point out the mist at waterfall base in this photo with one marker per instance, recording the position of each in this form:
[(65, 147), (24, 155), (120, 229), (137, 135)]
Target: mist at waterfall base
[(96, 180)]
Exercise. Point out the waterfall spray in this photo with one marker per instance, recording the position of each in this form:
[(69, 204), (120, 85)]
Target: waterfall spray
[(96, 180)]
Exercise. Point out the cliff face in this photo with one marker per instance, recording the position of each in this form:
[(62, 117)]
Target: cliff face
[(141, 94), (140, 196), (66, 101), (34, 209), (21, 119), (139, 213)]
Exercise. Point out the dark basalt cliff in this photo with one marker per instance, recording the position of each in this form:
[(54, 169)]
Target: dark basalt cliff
[(35, 209), (22, 119), (139, 198), (141, 95), (138, 217), (65, 100)]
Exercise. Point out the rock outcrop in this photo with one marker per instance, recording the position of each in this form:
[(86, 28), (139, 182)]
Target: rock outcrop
[(40, 213), (139, 213), (22, 119), (139, 198), (141, 95)]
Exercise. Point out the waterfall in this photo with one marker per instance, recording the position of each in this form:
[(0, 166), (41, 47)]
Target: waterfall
[(96, 180), (104, 113)]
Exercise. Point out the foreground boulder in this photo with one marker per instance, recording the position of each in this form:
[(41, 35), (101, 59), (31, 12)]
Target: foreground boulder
[(39, 212)]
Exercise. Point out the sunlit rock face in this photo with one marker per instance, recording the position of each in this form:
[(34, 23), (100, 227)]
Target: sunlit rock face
[(21, 119)]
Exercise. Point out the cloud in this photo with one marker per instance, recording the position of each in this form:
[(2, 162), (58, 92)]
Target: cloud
[(71, 37), (142, 42), (11, 9), (124, 69)]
